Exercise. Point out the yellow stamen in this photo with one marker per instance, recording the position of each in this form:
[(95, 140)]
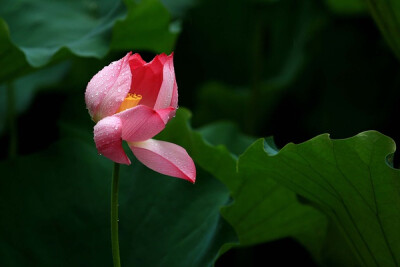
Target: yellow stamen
[(131, 100)]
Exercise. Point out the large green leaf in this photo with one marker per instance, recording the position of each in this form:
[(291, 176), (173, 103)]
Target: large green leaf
[(53, 27), (264, 210), (349, 180), (56, 211)]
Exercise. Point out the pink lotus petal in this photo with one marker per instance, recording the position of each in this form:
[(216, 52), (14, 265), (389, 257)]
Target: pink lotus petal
[(174, 100), (168, 92), (136, 61), (165, 158), (147, 80), (166, 114), (163, 57), (141, 122), (108, 89), (107, 136)]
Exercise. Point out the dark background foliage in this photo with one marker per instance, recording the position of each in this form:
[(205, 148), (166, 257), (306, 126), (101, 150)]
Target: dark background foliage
[(283, 68)]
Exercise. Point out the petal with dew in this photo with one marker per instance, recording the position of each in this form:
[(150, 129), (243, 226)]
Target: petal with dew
[(168, 94), (166, 158), (141, 122), (108, 89), (174, 100), (107, 136), (166, 114)]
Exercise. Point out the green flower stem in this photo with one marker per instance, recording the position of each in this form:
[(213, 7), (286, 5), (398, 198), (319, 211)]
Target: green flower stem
[(114, 216), (12, 149)]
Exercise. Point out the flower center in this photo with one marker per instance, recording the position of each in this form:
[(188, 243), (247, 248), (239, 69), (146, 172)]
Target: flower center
[(130, 101)]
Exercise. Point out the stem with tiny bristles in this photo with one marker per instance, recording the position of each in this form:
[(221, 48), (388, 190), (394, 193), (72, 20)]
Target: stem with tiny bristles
[(12, 148), (114, 216)]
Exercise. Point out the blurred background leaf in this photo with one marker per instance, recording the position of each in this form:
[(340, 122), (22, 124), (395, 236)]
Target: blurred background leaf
[(147, 26), (347, 7), (179, 8), (11, 56), (263, 61), (387, 17), (79, 28), (27, 86)]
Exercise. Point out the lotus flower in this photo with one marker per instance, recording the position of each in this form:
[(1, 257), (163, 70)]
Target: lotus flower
[(133, 100)]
